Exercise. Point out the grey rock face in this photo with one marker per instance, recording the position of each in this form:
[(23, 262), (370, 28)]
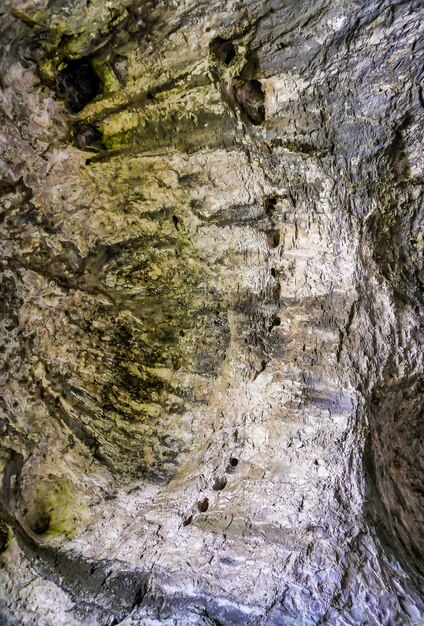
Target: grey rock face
[(211, 312)]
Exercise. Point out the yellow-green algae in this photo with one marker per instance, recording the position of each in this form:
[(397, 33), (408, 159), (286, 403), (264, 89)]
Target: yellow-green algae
[(55, 508), (149, 326)]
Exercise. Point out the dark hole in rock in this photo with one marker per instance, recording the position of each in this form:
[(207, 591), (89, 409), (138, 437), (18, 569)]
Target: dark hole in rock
[(275, 322), (88, 162), (251, 99), (274, 239), (188, 521), (233, 461), (78, 84), (41, 524), (270, 204), (182, 333), (87, 135), (203, 505), (273, 272), (4, 537), (223, 50), (219, 484), (150, 96), (176, 222)]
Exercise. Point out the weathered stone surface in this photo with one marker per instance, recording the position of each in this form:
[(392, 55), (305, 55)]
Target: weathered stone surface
[(211, 312)]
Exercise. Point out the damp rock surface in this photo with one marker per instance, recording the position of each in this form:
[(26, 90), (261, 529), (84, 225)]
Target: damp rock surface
[(211, 313)]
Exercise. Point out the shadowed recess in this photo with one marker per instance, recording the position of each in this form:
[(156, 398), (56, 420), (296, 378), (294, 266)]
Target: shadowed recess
[(396, 469), (78, 84)]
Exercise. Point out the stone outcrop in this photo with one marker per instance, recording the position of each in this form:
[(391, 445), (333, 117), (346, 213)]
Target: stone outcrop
[(211, 312)]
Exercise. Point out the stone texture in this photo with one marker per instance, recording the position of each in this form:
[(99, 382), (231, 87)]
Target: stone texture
[(211, 304)]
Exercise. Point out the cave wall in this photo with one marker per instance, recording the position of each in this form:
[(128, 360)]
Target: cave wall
[(211, 305)]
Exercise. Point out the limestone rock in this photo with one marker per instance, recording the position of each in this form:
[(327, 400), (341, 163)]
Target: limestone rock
[(211, 312)]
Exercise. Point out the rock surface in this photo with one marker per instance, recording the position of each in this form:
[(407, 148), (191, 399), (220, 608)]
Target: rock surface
[(211, 303)]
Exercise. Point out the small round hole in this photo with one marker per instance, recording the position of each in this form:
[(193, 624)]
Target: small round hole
[(219, 484), (78, 84), (274, 239), (87, 136), (270, 204), (233, 461), (203, 505), (41, 524), (251, 99), (223, 50), (275, 322)]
